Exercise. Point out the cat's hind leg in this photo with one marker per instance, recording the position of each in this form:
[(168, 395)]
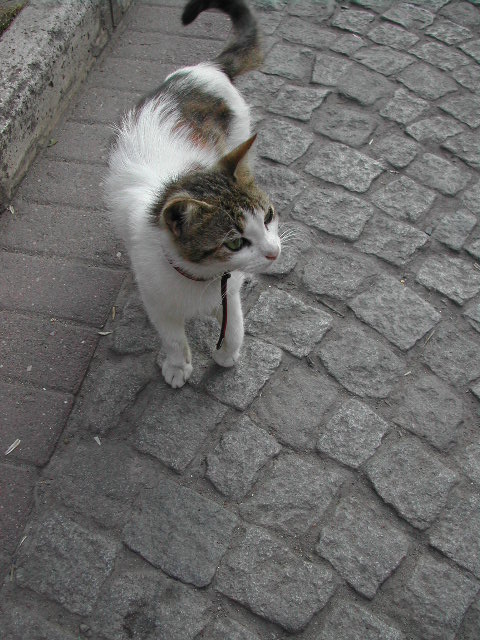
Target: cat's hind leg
[(229, 352)]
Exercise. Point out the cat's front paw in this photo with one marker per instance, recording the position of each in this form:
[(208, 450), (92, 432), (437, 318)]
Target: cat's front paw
[(225, 358), (176, 375)]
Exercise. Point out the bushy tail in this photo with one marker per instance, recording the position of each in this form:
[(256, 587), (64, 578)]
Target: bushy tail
[(244, 53)]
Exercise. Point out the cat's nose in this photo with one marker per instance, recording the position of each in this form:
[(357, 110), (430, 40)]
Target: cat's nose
[(273, 255)]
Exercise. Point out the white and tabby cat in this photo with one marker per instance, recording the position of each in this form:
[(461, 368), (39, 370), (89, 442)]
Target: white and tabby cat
[(183, 197)]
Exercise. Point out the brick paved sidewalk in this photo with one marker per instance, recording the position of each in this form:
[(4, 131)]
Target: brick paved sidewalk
[(327, 487)]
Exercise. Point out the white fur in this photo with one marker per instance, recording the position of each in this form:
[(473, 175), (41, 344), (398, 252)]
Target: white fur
[(147, 154)]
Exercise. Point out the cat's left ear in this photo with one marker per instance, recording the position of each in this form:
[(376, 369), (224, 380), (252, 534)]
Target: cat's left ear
[(178, 211), (233, 161)]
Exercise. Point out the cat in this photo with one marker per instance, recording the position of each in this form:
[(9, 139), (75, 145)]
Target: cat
[(182, 195)]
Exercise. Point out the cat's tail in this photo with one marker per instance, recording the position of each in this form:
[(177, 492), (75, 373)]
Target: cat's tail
[(244, 53)]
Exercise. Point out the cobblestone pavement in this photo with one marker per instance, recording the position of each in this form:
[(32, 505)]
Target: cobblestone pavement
[(327, 488)]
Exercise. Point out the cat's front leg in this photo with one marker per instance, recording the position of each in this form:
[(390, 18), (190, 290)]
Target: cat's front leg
[(229, 352)]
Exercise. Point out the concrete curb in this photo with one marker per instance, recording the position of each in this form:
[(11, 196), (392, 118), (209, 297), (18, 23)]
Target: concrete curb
[(48, 50)]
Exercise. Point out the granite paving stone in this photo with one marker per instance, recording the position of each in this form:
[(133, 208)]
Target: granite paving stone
[(334, 211), (347, 44), (440, 55), (404, 107), (472, 48), (475, 389), (234, 464), (404, 199), (352, 434), (328, 69), (427, 82), (435, 598), (465, 108), (471, 198), (174, 425), (456, 531), (298, 102), (344, 166), (366, 87), (472, 313), (239, 386), (398, 150), (383, 59), (230, 629), (448, 32), (468, 76), (463, 13), (293, 496), (466, 146), (287, 322), (259, 88), (283, 184), (316, 11), (350, 126), (293, 140), (19, 623), (434, 129), (473, 246), (265, 576), (363, 544), (306, 33), (180, 531), (361, 364), (393, 241), (468, 458), (412, 478), (132, 332), (16, 501), (453, 277), (351, 20), (438, 173), (65, 562), (454, 228), (350, 621), (336, 274), (143, 602), (288, 61), (295, 418), (428, 408), (453, 356), (471, 621), (409, 16), (395, 311), (393, 36), (375, 5)]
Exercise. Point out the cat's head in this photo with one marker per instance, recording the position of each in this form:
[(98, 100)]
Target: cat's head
[(218, 220)]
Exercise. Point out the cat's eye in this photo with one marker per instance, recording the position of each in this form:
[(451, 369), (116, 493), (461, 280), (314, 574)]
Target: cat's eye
[(269, 216), (236, 244)]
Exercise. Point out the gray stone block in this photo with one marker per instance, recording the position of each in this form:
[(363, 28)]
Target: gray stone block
[(20, 623), (364, 86), (363, 544), (294, 495), (472, 48), (132, 331), (283, 142), (337, 274), (438, 173), (456, 531), (427, 82), (281, 184), (383, 59), (375, 5), (453, 356), (293, 404), (181, 532), (144, 603), (393, 36), (347, 44), (288, 61), (435, 129), (353, 434), (471, 198), (395, 311), (468, 76), (440, 55), (334, 211), (465, 108), (409, 476), (65, 562), (428, 408), (227, 628), (350, 126), (264, 575), (234, 464), (404, 199), (298, 102), (453, 277), (342, 165), (434, 598), (258, 88), (350, 621), (404, 107), (312, 9), (328, 70), (399, 151), (239, 386), (454, 228), (287, 322), (306, 33), (351, 20), (464, 13), (175, 424), (362, 365), (409, 16), (472, 313), (466, 146), (393, 241)]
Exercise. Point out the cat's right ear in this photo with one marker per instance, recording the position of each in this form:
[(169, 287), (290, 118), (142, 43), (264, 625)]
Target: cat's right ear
[(233, 161)]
